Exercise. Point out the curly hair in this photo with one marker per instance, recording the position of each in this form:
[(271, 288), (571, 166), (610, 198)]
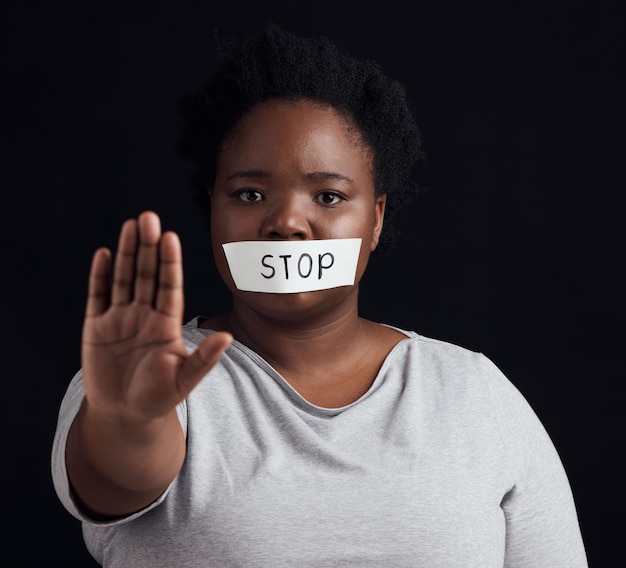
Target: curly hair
[(277, 64)]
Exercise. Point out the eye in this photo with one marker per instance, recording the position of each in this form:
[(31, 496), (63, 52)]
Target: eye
[(329, 198), (249, 195)]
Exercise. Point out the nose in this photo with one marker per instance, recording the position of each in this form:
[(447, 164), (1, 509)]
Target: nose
[(287, 219)]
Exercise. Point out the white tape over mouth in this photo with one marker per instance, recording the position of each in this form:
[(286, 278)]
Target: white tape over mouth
[(285, 267)]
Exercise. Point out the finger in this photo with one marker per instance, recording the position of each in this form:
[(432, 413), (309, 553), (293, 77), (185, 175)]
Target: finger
[(147, 257), (124, 272), (170, 296), (202, 360), (99, 290)]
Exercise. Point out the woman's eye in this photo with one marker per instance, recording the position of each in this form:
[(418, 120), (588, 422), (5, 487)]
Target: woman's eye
[(249, 195), (329, 198)]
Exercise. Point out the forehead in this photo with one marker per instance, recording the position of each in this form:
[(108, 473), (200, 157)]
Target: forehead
[(297, 122)]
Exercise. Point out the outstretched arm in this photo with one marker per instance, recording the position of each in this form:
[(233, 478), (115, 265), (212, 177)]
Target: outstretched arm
[(126, 444)]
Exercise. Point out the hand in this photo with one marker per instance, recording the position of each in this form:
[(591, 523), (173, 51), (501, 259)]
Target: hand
[(134, 360)]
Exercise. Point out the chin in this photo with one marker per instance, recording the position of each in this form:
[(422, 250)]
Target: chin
[(299, 306)]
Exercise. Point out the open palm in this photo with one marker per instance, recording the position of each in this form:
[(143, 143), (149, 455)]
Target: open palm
[(135, 363)]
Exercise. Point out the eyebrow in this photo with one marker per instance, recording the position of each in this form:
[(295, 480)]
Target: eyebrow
[(326, 176), (249, 174), (315, 176)]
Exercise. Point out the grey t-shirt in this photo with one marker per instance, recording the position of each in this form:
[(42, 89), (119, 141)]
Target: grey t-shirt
[(441, 464)]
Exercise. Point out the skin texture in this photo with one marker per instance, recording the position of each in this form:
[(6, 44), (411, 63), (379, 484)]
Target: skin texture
[(289, 170)]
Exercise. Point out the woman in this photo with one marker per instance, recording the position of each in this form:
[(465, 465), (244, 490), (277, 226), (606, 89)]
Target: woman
[(290, 431)]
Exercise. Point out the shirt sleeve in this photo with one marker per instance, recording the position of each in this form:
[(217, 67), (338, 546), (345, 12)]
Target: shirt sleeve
[(70, 405), (542, 527)]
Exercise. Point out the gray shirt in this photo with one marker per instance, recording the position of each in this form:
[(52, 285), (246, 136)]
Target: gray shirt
[(441, 464)]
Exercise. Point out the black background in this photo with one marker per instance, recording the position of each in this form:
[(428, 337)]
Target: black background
[(516, 250)]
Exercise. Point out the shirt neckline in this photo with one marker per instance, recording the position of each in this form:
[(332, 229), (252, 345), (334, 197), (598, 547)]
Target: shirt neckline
[(193, 325)]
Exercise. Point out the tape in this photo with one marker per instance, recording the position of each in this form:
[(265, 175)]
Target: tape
[(283, 267)]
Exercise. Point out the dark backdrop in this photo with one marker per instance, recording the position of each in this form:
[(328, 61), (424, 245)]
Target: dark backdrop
[(516, 250)]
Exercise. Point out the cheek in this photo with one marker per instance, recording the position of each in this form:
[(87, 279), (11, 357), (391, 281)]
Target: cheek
[(222, 265), (364, 228), (354, 223), (226, 228), (219, 235)]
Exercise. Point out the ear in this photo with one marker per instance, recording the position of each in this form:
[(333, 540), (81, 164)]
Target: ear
[(379, 217)]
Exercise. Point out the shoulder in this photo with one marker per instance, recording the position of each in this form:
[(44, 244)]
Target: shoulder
[(441, 356), (194, 334), (459, 377), (465, 386)]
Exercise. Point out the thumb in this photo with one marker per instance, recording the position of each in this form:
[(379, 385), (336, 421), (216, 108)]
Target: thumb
[(202, 360)]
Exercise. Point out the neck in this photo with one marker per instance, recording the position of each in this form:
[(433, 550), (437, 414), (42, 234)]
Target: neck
[(295, 347), (331, 358)]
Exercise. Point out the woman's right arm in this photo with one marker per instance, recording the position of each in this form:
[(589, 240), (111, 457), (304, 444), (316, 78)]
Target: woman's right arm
[(126, 444)]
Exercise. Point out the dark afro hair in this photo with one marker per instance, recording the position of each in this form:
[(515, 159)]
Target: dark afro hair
[(277, 64)]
